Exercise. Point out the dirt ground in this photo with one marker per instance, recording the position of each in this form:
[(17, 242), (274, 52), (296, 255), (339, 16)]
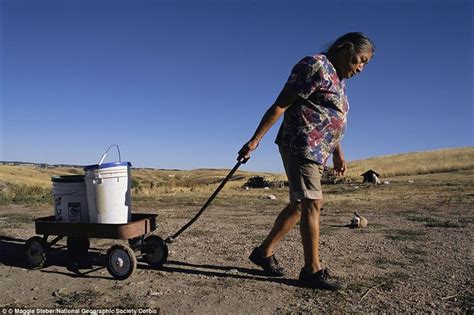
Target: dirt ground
[(414, 256)]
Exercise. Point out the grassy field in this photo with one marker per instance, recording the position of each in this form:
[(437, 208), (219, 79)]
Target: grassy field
[(415, 255), (31, 185)]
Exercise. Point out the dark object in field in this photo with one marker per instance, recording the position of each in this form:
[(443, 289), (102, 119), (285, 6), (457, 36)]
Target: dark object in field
[(257, 182), (371, 177)]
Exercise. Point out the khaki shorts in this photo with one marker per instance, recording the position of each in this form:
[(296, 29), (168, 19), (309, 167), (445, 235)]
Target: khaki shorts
[(304, 176)]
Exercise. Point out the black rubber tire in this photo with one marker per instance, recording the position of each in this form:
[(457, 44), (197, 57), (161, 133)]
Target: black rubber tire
[(135, 243), (78, 247), (121, 261), (154, 251), (35, 251)]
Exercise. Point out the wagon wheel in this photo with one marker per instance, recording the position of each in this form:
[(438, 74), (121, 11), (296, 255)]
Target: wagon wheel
[(121, 261), (154, 251), (36, 248), (135, 243), (77, 247)]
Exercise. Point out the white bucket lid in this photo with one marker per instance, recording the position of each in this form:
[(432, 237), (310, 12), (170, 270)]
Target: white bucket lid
[(106, 165)]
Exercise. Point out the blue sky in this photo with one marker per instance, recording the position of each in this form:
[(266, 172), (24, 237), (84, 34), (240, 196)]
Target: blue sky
[(183, 84)]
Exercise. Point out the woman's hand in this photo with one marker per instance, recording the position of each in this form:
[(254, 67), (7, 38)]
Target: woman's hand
[(340, 165), (247, 148)]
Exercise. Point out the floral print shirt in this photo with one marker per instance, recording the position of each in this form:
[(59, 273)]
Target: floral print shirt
[(315, 123)]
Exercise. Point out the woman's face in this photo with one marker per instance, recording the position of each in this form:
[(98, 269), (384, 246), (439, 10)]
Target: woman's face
[(350, 66)]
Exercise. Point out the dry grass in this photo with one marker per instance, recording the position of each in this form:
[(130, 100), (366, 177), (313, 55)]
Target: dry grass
[(33, 176), (418, 163), (413, 225), (27, 184)]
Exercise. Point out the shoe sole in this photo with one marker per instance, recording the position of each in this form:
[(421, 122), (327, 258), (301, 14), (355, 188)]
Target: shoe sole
[(305, 284), (266, 273)]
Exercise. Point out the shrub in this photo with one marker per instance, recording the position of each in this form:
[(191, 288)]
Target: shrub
[(135, 182)]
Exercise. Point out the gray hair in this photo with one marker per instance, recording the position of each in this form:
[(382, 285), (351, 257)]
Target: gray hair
[(356, 42)]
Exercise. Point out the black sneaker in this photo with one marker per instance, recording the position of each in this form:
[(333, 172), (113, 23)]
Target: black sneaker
[(320, 280), (269, 264)]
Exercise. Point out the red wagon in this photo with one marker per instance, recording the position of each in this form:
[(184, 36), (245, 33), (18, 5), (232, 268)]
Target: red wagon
[(121, 259)]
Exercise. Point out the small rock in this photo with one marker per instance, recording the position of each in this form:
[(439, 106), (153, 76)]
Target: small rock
[(271, 197), (155, 293)]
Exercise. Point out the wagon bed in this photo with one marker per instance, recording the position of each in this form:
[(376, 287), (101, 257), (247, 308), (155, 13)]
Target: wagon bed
[(121, 259), (140, 224)]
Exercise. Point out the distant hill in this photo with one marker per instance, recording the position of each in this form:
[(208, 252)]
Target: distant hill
[(416, 163), (446, 160), (20, 163)]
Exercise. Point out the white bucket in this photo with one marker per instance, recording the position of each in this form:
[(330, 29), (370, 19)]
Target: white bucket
[(70, 199), (108, 192)]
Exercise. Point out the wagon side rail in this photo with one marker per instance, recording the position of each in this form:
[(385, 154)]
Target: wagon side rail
[(141, 224)]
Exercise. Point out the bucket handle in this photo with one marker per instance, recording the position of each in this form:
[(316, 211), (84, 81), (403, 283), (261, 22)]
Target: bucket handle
[(103, 156)]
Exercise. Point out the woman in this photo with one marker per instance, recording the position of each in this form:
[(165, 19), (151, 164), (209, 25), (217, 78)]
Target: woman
[(315, 109)]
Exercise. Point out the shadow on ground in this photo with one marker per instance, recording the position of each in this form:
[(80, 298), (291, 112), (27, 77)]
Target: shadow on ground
[(12, 253)]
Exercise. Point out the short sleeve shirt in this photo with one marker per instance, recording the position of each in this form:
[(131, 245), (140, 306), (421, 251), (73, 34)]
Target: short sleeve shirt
[(315, 123)]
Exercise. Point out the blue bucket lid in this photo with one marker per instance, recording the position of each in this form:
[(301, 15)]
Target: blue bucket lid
[(106, 165)]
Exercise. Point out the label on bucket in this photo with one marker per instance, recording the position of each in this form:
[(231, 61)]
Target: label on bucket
[(74, 211), (72, 214)]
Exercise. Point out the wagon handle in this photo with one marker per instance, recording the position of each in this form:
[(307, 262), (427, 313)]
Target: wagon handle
[(240, 160), (103, 156)]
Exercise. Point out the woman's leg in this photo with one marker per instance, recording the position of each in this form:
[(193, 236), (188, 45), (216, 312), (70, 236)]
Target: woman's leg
[(285, 221), (309, 228)]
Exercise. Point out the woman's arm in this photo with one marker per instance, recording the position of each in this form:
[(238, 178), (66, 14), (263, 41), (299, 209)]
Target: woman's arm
[(340, 165), (284, 100)]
